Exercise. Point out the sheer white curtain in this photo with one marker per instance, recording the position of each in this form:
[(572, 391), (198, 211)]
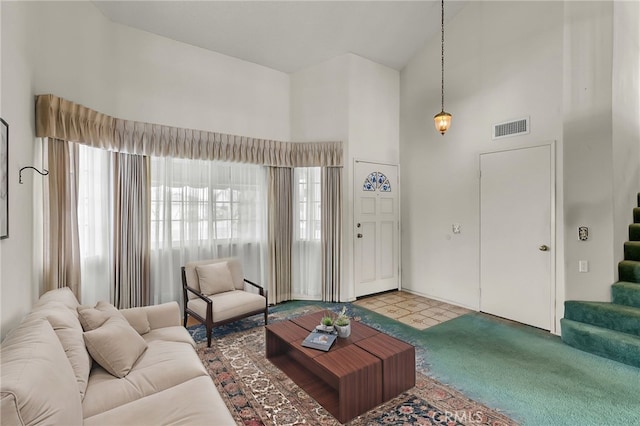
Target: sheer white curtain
[(307, 246), (203, 210), (95, 223)]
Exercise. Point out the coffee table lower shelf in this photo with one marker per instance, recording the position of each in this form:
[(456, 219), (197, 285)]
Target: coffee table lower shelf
[(324, 394)]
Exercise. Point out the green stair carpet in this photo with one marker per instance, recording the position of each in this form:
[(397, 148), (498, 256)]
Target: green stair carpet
[(632, 250), (600, 341), (629, 270), (625, 319), (634, 232), (625, 293), (611, 330)]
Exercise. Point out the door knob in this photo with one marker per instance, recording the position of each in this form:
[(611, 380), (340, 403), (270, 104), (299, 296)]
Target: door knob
[(359, 235), (543, 248)]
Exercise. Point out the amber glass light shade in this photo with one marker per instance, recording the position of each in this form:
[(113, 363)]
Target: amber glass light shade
[(442, 121)]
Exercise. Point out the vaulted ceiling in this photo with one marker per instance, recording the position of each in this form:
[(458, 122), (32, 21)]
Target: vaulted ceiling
[(290, 35)]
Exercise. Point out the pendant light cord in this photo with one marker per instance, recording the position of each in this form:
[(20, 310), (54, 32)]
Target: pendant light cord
[(442, 54)]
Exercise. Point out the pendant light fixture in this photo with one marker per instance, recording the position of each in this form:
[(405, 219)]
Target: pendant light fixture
[(442, 119)]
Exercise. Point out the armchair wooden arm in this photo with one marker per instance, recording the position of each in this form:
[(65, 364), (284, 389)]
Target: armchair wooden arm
[(262, 290)]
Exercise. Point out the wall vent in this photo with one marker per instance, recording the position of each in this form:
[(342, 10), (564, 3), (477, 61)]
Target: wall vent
[(511, 128)]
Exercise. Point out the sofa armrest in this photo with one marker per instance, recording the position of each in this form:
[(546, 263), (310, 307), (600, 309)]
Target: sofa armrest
[(159, 316)]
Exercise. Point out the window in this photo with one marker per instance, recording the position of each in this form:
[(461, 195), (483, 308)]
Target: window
[(94, 223), (307, 235), (202, 201), (307, 181)]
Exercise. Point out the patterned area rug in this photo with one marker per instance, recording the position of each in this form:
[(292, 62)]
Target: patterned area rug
[(258, 393)]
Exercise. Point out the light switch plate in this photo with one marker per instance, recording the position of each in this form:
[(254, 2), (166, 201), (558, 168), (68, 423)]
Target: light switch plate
[(583, 266)]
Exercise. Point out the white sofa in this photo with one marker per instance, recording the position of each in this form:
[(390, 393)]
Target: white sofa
[(55, 373)]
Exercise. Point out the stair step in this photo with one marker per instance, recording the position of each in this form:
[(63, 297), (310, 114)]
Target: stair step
[(621, 347), (629, 270), (634, 232), (625, 319), (636, 215), (625, 293), (632, 250)]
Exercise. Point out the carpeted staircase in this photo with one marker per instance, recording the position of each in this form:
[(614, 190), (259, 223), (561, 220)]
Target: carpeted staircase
[(611, 329)]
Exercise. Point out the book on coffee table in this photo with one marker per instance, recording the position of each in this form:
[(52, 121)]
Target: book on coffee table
[(319, 340)]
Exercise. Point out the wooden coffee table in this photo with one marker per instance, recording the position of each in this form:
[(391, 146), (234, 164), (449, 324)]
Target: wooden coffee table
[(355, 375)]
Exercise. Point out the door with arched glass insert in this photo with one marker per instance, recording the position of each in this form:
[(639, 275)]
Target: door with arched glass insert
[(376, 228)]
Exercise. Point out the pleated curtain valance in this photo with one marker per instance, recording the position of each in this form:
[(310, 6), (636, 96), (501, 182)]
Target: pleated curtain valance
[(65, 120)]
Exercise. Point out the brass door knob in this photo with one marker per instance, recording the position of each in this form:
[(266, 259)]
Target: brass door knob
[(543, 248)]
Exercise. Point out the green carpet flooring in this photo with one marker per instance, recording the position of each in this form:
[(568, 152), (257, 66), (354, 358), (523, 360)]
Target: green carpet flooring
[(530, 374), (527, 373)]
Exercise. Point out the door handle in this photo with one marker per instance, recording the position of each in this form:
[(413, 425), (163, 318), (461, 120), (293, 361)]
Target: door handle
[(359, 235), (543, 248)]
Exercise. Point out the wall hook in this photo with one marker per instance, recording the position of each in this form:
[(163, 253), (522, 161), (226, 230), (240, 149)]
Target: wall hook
[(43, 172)]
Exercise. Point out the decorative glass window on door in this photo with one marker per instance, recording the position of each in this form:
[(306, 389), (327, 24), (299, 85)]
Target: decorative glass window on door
[(376, 181)]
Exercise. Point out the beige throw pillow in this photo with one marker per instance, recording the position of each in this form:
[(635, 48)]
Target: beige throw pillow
[(115, 345), (92, 318), (214, 278), (111, 341)]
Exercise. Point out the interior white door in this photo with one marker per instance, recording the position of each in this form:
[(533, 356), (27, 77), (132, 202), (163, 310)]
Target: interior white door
[(377, 225), (516, 279)]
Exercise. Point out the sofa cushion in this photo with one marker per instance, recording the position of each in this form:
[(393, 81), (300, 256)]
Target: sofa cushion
[(63, 295), (115, 345), (193, 402), (37, 384), (69, 332), (137, 318), (214, 278), (176, 333), (163, 365), (92, 318), (64, 321)]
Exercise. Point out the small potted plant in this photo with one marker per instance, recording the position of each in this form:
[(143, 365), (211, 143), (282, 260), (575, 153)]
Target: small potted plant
[(343, 323), (327, 323)]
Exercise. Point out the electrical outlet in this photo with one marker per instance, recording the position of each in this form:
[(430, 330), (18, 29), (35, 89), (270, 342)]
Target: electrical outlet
[(583, 266), (456, 228)]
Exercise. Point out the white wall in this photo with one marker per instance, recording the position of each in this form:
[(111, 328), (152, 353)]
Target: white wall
[(320, 102), (587, 134), (626, 119), (374, 111), (503, 60), (354, 100), (1, 116), (71, 50)]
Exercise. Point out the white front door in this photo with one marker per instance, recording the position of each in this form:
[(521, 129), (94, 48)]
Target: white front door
[(377, 225), (516, 252)]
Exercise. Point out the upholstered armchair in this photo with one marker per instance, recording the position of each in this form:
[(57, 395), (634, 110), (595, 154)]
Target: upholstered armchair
[(215, 292)]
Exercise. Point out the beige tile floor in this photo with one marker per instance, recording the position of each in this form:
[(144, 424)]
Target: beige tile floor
[(417, 311)]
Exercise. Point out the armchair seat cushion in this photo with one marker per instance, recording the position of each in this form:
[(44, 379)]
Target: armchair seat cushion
[(229, 304)]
